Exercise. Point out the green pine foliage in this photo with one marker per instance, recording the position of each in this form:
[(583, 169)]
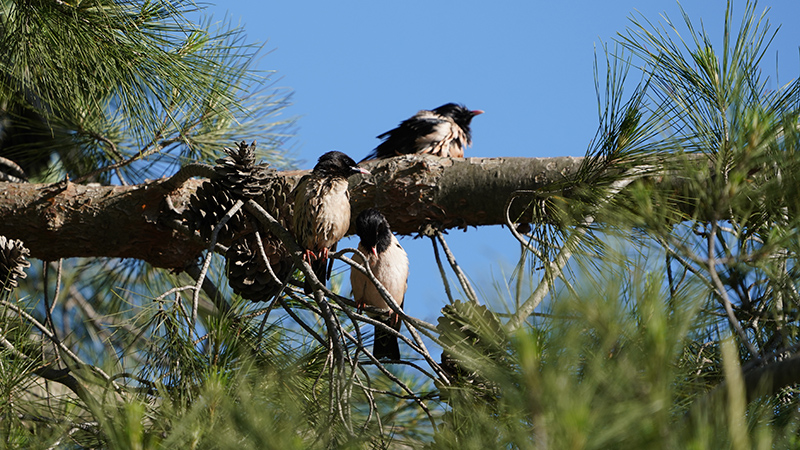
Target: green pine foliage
[(109, 83)]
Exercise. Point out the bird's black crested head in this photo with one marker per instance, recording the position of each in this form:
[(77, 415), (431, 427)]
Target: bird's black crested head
[(459, 113), (337, 164), (373, 229)]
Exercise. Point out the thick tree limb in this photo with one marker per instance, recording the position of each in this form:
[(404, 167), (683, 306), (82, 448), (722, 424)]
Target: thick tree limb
[(69, 220), (66, 220), (412, 191)]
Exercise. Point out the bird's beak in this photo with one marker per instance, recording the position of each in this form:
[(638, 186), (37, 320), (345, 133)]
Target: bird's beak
[(361, 170), (476, 112), (374, 251)]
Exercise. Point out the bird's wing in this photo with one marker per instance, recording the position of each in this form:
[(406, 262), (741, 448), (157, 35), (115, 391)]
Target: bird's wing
[(413, 135), (321, 212), (332, 212), (394, 271), (302, 220), (393, 274), (391, 269)]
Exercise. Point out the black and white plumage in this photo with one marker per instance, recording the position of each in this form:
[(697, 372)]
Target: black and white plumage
[(389, 263), (322, 208), (444, 131)]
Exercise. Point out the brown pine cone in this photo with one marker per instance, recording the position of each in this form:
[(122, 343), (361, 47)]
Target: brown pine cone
[(247, 269), (13, 262)]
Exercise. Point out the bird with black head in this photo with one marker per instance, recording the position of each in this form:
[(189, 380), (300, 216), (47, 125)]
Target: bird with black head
[(322, 209), (388, 261), (444, 131)]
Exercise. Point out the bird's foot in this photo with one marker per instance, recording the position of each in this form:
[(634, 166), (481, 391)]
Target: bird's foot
[(309, 256)]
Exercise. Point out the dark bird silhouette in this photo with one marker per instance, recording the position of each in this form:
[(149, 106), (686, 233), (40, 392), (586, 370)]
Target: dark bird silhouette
[(389, 263), (322, 208), (443, 131)]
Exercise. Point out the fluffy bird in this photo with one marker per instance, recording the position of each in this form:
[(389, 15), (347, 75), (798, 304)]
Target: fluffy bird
[(443, 131), (389, 263), (322, 208)]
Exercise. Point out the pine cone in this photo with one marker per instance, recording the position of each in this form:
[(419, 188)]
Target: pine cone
[(469, 334), (276, 199), (239, 174), (239, 178), (243, 155), (247, 270), (12, 262), (207, 206)]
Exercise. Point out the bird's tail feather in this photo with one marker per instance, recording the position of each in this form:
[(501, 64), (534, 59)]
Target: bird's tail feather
[(386, 345), (320, 268), (369, 156)]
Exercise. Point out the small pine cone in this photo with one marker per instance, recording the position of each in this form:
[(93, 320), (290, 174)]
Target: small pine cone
[(247, 270), (468, 333), (243, 155), (207, 206), (239, 174), (12, 262)]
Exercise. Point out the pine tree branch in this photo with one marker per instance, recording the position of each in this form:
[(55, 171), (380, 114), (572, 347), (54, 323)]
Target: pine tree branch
[(69, 220)]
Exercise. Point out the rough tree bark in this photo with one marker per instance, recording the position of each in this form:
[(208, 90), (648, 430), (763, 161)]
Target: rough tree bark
[(68, 220)]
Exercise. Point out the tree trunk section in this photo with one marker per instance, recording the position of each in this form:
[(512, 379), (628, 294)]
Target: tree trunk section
[(66, 220)]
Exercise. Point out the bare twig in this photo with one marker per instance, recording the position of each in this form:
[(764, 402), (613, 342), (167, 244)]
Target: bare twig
[(288, 240), (79, 362), (207, 262), (210, 289), (360, 347), (58, 285), (187, 172), (462, 278), (141, 154), (179, 226), (395, 379), (61, 376), (338, 355), (441, 270), (11, 171), (297, 319), (411, 323), (387, 297), (554, 269), (47, 310), (263, 254), (723, 293)]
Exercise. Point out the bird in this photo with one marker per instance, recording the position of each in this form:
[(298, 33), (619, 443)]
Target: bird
[(443, 131), (322, 209), (389, 263)]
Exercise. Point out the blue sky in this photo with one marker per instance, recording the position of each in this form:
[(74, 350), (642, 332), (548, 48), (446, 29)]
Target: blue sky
[(358, 68)]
